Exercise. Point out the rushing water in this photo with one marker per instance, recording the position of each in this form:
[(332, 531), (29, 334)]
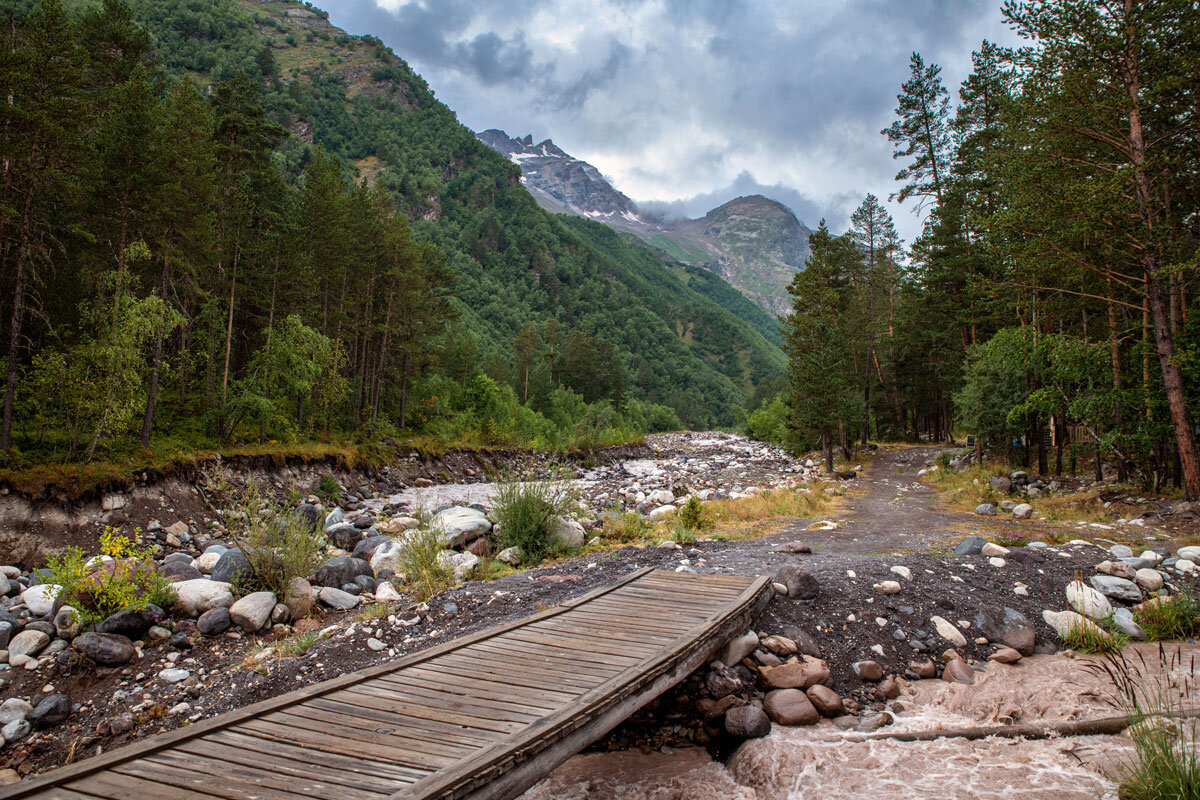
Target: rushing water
[(822, 761)]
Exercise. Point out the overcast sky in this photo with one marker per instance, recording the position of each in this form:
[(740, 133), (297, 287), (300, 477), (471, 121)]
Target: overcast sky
[(685, 104)]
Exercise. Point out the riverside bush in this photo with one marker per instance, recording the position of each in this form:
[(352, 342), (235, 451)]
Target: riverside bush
[(424, 574), (529, 510), (130, 580)]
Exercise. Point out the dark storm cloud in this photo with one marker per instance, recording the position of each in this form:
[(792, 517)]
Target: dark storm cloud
[(674, 98)]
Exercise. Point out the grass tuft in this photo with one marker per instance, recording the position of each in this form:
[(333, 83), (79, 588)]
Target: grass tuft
[(1092, 639), (529, 511), (1165, 620), (424, 575)]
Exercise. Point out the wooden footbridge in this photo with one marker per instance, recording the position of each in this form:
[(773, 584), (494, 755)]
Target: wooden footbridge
[(485, 716)]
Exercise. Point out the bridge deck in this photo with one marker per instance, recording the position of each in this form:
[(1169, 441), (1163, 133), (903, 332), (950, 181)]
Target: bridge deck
[(485, 716)]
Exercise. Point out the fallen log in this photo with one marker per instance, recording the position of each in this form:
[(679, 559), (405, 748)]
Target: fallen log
[(1105, 726)]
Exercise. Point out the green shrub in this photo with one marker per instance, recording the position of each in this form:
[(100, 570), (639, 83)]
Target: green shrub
[(129, 581), (329, 488), (628, 527), (1176, 618), (529, 510), (278, 547), (691, 515), (684, 535), (424, 575)]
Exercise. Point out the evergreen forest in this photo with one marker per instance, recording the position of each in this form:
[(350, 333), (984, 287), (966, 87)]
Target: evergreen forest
[(227, 224), (1046, 310)]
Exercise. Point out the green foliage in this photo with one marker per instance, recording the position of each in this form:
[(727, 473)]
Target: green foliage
[(769, 423), (1093, 639), (683, 534), (424, 573), (329, 488), (1170, 619), (691, 515), (126, 578), (529, 511)]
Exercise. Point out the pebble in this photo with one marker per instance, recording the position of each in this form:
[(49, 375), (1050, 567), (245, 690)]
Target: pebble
[(172, 675)]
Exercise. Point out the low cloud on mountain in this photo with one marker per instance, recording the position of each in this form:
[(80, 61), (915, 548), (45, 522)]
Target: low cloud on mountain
[(687, 103)]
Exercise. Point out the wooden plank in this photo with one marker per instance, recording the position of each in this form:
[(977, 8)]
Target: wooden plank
[(287, 766), (162, 741), (695, 646), (112, 786), (359, 763), (481, 718)]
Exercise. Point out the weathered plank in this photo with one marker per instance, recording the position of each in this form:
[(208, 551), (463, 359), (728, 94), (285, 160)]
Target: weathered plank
[(483, 717)]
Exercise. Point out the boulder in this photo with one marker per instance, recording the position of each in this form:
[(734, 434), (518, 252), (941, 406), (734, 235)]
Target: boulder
[(1007, 655), (199, 595), (801, 674), (460, 563), (106, 649), (1064, 622), (948, 631), (991, 549), (738, 648), (569, 533), (386, 592), (1149, 579), (367, 548), (13, 709), (214, 622), (1191, 553), (970, 546), (207, 562), (1122, 618), (230, 566), (790, 707), (1022, 511), (344, 536), (27, 643), (40, 599), (178, 571), (67, 623), (798, 582), (1087, 601), (1008, 627), (252, 612), (459, 525), (825, 700), (661, 512), (52, 710), (510, 556), (337, 599), (958, 671), (1119, 588), (1001, 484), (298, 598), (747, 722), (868, 670), (985, 510), (340, 570), (132, 623), (721, 681)]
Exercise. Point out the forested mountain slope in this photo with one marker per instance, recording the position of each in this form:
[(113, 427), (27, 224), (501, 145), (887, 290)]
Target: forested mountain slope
[(208, 231)]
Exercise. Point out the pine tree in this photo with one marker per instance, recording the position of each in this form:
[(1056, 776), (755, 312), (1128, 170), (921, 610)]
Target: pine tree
[(922, 132)]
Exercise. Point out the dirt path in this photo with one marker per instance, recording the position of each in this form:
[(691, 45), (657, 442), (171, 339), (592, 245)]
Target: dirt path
[(889, 510)]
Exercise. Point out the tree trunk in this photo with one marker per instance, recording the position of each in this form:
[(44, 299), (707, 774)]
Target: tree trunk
[(155, 369), (404, 390), (828, 451), (228, 339)]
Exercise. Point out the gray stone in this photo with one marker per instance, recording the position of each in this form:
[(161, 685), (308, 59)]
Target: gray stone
[(13, 709), (800, 584), (569, 533), (1121, 551), (252, 612), (67, 623), (106, 649), (985, 510), (367, 548), (52, 710), (387, 556), (1001, 484), (738, 648), (1123, 619), (1022, 511), (16, 730), (747, 722), (1087, 601), (1006, 626), (971, 546), (27, 643), (510, 556), (132, 622), (460, 525), (1119, 588), (214, 622), (337, 599), (340, 570), (40, 599), (180, 572), (173, 675), (344, 536), (1149, 579), (299, 598), (230, 566)]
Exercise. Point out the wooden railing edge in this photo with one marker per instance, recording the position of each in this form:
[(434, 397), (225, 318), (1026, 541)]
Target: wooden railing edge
[(161, 741)]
